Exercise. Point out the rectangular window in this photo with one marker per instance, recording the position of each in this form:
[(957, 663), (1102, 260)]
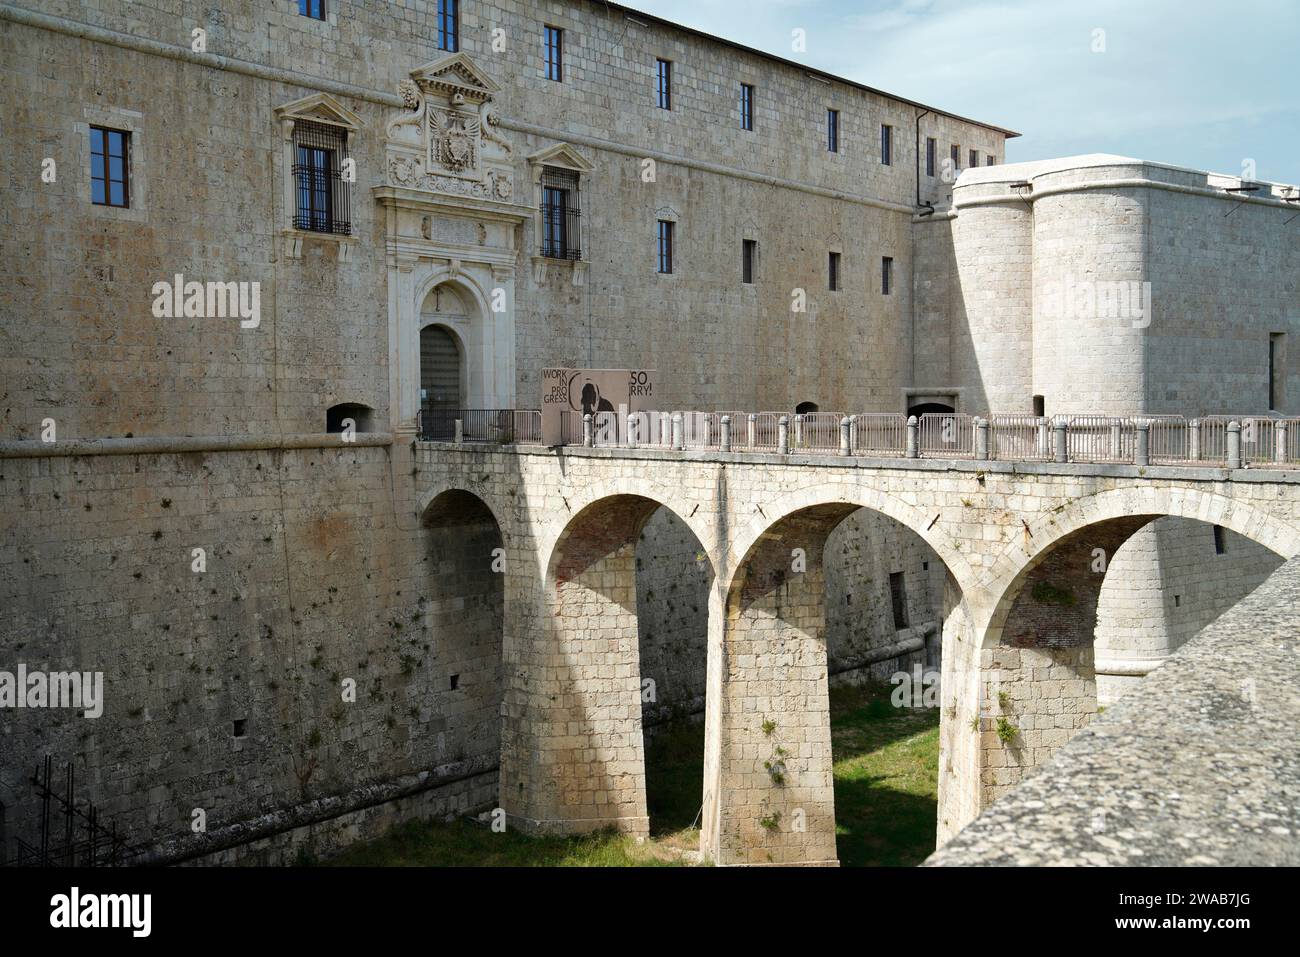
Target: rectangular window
[(561, 214), (1276, 370), (664, 83), (898, 599), (666, 246), (748, 253), (988, 160), (746, 107), (886, 145), (955, 156), (449, 25), (974, 158), (324, 199), (833, 131), (886, 275), (833, 271), (555, 54), (1219, 547), (312, 8), (930, 148), (1040, 406), (110, 173)]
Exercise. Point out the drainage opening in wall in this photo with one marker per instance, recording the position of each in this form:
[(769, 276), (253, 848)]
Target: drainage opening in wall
[(455, 681), (361, 415)]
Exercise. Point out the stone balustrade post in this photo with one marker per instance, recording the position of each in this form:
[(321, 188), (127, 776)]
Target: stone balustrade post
[(783, 435), (1234, 445), (1279, 441), (1062, 445), (1142, 443), (679, 441), (753, 429), (725, 444), (460, 431), (982, 439), (588, 437), (1194, 440), (912, 444), (846, 438)]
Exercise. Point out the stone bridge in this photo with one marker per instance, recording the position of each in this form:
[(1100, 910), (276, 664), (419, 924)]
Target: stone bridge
[(1024, 544)]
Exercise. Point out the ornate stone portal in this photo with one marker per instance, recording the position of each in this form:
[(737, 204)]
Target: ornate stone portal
[(448, 190)]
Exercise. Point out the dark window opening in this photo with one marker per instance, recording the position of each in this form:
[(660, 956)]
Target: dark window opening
[(1178, 601), (988, 161), (1276, 374), (925, 566), (746, 107), (805, 408), (449, 25), (455, 682), (886, 275), (833, 131), (110, 176), (664, 83), (930, 147), (324, 196), (362, 416), (555, 54), (665, 246), (955, 155), (833, 272), (748, 253), (974, 158), (1219, 545), (1040, 406), (929, 408), (241, 727), (312, 8), (886, 145), (561, 214), (898, 598)]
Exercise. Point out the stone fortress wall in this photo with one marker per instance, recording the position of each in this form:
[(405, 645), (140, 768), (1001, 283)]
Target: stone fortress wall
[(312, 573)]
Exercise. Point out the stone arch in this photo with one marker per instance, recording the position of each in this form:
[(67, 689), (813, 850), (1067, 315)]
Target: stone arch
[(463, 576), (578, 761), (440, 346), (769, 689), (1034, 686)]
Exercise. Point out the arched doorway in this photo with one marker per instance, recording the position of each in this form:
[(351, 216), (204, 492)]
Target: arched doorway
[(441, 380)]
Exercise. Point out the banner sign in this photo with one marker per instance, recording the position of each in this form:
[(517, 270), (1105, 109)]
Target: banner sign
[(565, 391)]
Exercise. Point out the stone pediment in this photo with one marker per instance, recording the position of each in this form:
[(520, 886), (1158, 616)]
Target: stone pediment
[(320, 108), (563, 155), (455, 76)]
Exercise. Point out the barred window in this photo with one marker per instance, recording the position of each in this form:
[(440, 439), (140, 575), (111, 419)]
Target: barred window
[(746, 106), (324, 200), (833, 131), (561, 214), (110, 177), (449, 25), (886, 145), (666, 228)]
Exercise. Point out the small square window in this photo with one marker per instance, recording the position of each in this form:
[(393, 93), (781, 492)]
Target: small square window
[(989, 160), (110, 167), (240, 728)]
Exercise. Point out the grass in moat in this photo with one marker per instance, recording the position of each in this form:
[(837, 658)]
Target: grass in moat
[(886, 774)]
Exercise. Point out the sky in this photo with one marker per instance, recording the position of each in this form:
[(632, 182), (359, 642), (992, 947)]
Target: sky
[(1207, 85)]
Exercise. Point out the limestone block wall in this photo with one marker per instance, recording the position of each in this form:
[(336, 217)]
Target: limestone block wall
[(224, 689), (1163, 586)]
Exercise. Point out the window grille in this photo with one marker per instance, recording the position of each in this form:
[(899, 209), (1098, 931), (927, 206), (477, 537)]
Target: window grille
[(561, 214), (324, 200)]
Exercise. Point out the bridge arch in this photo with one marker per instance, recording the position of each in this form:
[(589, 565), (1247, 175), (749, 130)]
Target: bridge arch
[(769, 668), (455, 643), (1035, 683)]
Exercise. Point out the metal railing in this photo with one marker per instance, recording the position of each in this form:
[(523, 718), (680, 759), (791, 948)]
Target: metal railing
[(1255, 441)]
